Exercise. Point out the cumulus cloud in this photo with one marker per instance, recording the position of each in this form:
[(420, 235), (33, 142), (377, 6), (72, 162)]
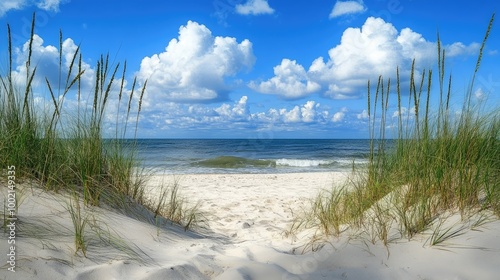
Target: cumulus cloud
[(238, 111), (340, 115), (193, 66), (405, 113), (254, 7), (196, 116), (46, 59), (363, 54), (239, 115), (7, 5), (290, 81), (292, 115), (363, 115), (459, 48), (47, 5), (50, 5), (190, 115), (346, 8), (309, 112)]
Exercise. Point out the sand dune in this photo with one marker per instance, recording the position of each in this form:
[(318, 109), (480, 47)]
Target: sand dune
[(247, 215)]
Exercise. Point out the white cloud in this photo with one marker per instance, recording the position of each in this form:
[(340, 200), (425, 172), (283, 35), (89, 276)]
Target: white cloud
[(192, 117), (7, 5), (235, 116), (50, 5), (459, 48), (290, 81), (292, 115), (238, 111), (347, 7), (340, 115), (363, 54), (193, 67), (480, 95), (405, 113), (47, 5), (308, 111), (254, 7), (46, 60), (363, 115), (413, 45)]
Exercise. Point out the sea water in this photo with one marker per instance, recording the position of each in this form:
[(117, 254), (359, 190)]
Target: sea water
[(185, 156)]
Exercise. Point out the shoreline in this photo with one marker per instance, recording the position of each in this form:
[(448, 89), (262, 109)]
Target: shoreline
[(160, 171)]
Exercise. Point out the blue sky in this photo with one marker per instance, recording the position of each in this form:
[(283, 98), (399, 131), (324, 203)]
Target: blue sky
[(257, 68)]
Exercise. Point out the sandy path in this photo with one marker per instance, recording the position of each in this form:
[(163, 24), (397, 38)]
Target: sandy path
[(252, 207)]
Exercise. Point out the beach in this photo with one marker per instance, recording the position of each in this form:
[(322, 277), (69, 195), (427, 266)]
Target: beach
[(253, 207), (199, 165), (243, 238)]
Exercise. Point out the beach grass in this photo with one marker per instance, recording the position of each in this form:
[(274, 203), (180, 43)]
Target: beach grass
[(80, 221), (439, 162), (166, 201), (61, 146), (43, 147)]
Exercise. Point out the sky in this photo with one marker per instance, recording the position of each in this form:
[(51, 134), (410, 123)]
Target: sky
[(254, 68)]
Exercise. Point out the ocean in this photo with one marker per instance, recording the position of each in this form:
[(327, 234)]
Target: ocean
[(187, 156)]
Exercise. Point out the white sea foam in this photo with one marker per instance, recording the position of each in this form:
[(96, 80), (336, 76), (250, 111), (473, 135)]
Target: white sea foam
[(350, 161), (316, 162), (303, 162)]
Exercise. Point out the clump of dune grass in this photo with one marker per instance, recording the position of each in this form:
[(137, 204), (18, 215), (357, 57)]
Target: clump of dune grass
[(167, 202), (80, 220), (439, 162), (63, 149), (59, 149)]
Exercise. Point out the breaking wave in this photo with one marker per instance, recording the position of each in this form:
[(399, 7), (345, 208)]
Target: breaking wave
[(240, 162)]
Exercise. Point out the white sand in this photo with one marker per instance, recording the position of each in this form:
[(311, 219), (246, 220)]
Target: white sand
[(247, 215), (252, 207)]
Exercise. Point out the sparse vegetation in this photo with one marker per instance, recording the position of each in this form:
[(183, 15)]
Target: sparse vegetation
[(168, 203), (439, 162), (80, 220)]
